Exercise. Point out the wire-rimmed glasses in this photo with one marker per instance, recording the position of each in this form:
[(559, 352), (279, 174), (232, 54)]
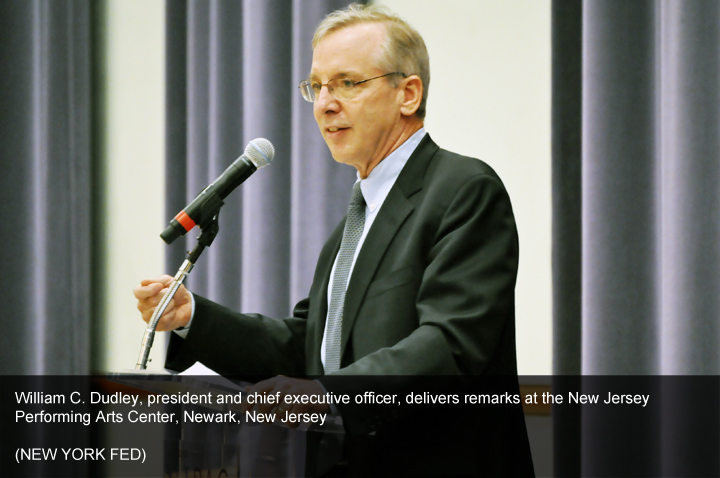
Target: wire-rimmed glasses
[(339, 88)]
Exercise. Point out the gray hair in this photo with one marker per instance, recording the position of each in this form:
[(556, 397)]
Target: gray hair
[(403, 49)]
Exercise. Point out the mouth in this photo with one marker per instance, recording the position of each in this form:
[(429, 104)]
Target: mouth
[(335, 130)]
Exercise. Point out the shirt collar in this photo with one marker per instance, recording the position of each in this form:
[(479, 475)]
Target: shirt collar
[(381, 179)]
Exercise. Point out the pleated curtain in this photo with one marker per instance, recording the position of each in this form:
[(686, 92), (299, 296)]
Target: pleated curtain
[(232, 72), (233, 68), (636, 219), (45, 203), (45, 187)]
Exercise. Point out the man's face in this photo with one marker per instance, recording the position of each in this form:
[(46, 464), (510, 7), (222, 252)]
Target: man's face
[(363, 130)]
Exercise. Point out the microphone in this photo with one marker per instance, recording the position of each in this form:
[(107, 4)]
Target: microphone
[(258, 153)]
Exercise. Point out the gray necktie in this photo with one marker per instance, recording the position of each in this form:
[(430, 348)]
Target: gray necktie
[(351, 236)]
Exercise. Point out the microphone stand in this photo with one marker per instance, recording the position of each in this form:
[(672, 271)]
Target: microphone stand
[(206, 238)]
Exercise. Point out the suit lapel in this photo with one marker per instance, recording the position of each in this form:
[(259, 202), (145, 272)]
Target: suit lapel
[(393, 213)]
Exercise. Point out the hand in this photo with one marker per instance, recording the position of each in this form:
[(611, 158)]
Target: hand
[(151, 291), (285, 386)]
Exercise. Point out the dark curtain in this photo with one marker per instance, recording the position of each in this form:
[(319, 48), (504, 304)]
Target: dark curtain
[(233, 68), (45, 232), (45, 196), (232, 74), (636, 264)]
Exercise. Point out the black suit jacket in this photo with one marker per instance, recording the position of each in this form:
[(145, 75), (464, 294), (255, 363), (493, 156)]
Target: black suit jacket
[(431, 294)]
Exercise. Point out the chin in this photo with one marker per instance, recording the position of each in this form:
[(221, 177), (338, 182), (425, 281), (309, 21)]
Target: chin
[(339, 157)]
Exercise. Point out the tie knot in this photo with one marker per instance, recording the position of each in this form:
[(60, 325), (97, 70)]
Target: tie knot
[(357, 196)]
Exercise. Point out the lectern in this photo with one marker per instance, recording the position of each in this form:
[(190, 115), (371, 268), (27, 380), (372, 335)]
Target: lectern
[(197, 446)]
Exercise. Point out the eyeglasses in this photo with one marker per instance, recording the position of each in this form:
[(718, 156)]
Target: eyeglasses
[(340, 88)]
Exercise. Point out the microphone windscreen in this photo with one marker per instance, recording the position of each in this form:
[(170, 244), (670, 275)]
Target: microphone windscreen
[(260, 152)]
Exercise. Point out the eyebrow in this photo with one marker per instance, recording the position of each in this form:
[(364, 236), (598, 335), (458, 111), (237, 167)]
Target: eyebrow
[(342, 74)]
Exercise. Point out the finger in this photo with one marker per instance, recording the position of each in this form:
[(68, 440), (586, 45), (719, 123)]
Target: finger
[(150, 303), (149, 311), (273, 398), (265, 386), (168, 322), (148, 314), (282, 410), (182, 296), (164, 279), (147, 290), (153, 298), (173, 319), (261, 388), (147, 306)]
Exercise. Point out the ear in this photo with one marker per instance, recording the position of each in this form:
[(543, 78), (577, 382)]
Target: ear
[(412, 92)]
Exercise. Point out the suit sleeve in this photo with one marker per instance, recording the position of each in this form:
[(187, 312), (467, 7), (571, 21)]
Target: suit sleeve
[(234, 344)]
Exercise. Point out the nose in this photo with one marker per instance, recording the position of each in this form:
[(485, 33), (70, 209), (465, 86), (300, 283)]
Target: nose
[(326, 102)]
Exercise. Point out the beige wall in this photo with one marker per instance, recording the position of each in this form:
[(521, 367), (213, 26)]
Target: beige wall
[(490, 98), (133, 153)]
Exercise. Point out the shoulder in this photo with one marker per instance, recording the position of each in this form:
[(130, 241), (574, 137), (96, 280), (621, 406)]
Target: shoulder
[(450, 174), (456, 167), (442, 175)]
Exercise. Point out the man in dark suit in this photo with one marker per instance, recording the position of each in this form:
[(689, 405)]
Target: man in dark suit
[(417, 281)]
